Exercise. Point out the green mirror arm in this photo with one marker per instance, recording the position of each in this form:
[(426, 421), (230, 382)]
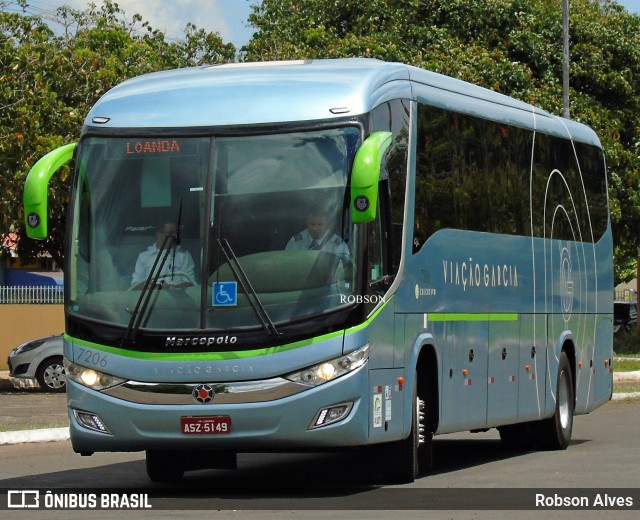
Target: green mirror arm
[(365, 177), (36, 189)]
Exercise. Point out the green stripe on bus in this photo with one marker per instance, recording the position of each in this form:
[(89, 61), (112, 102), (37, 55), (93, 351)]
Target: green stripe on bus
[(219, 356), (461, 316), (201, 356)]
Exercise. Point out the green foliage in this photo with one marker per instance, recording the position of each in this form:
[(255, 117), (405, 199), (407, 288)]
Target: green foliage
[(48, 83), (511, 46), (628, 343)]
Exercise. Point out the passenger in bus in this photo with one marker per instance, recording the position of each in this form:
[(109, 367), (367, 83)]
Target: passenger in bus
[(179, 268), (318, 236)]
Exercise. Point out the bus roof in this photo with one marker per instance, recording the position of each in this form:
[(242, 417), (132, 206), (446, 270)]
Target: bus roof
[(239, 94)]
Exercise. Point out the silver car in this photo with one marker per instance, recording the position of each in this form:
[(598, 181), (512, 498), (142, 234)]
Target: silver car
[(41, 360)]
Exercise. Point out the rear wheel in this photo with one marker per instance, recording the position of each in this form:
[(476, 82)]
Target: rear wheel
[(555, 433)]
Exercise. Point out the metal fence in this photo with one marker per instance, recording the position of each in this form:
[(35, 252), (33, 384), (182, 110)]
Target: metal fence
[(32, 294)]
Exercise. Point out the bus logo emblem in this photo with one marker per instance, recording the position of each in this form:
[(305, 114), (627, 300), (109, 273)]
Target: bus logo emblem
[(33, 220), (203, 394), (362, 203)]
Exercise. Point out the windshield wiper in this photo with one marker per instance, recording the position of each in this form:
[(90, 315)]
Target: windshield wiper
[(150, 284), (177, 239), (171, 242), (252, 296)]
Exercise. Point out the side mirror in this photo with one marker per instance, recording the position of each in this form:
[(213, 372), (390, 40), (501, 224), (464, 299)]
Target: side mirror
[(365, 176), (36, 189)]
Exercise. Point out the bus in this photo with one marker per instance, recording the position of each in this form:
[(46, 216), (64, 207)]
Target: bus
[(328, 254)]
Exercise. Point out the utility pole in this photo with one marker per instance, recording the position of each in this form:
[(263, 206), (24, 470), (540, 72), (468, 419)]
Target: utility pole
[(565, 59)]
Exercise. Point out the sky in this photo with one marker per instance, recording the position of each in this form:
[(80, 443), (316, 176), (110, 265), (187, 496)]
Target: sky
[(632, 6), (227, 17)]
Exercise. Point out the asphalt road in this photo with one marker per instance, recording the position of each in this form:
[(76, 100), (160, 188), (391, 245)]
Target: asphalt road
[(472, 472)]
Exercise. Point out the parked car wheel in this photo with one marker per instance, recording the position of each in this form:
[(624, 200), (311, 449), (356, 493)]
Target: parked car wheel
[(51, 375)]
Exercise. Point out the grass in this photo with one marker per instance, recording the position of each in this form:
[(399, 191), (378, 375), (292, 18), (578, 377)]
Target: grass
[(32, 426), (626, 365), (624, 388)]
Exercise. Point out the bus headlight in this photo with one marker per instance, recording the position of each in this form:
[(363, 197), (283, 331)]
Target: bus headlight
[(89, 377), (332, 369)]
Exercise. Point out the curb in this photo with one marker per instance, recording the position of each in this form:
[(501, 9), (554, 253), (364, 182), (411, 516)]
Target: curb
[(629, 377), (623, 396), (43, 435)]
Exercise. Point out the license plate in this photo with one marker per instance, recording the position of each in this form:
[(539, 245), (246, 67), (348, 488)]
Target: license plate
[(213, 425)]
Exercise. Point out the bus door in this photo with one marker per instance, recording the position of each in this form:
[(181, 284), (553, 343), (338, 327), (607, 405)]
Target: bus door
[(464, 381), (532, 371), (502, 380)]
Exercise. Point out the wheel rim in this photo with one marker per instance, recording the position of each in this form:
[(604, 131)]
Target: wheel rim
[(54, 377), (564, 406)]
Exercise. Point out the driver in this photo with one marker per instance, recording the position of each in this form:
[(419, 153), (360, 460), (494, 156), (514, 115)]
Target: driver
[(318, 236), (178, 270)]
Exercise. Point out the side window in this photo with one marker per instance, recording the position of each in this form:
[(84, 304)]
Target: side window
[(375, 249), (569, 190), (475, 174), (471, 174), (393, 116), (595, 179), (377, 260)]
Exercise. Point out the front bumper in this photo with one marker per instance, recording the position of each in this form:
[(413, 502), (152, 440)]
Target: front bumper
[(279, 422), (20, 365)]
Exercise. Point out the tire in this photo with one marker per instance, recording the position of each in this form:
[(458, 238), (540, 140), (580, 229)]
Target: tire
[(403, 460), (555, 433), (164, 466), (51, 376)]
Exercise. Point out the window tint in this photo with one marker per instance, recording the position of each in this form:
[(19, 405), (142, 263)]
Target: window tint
[(570, 198), (393, 117), (470, 174), (478, 175)]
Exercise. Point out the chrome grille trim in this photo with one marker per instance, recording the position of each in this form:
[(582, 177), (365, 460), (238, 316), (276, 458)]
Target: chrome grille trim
[(225, 393)]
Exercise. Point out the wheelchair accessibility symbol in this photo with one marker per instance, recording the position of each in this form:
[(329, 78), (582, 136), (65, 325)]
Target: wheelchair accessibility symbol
[(225, 294)]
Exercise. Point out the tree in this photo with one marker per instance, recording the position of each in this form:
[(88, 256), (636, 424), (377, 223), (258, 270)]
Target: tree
[(48, 83), (511, 46)]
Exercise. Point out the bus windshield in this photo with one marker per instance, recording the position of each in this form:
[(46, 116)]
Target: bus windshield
[(225, 233)]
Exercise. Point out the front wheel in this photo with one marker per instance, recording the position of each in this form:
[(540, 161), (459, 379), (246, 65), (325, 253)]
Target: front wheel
[(403, 460), (555, 433)]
